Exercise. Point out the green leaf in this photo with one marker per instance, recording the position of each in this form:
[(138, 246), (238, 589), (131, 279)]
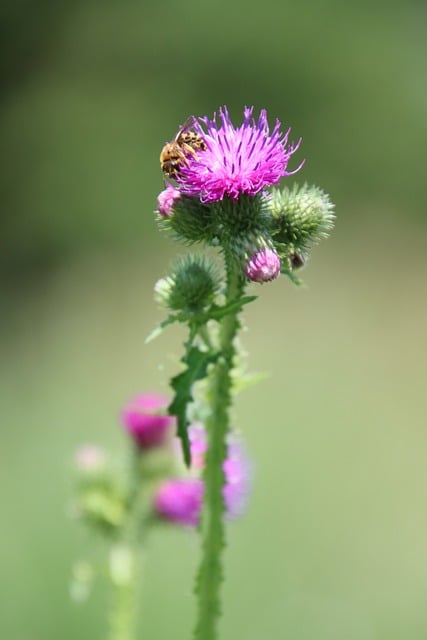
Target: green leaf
[(196, 362), (178, 317), (216, 312), (292, 277), (241, 383)]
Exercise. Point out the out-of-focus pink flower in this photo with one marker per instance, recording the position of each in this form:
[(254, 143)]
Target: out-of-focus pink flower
[(263, 266), (90, 458), (237, 474), (180, 500), (144, 419)]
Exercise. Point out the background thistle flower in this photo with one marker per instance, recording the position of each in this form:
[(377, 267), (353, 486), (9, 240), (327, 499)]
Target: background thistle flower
[(90, 459), (144, 419), (180, 500), (242, 160)]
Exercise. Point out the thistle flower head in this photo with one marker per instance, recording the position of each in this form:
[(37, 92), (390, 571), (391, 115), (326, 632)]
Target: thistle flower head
[(145, 421), (263, 266), (236, 160)]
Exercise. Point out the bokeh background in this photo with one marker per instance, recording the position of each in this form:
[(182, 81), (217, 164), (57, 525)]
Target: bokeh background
[(334, 545)]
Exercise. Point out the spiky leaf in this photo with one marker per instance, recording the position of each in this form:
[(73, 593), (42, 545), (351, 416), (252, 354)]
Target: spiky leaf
[(196, 366)]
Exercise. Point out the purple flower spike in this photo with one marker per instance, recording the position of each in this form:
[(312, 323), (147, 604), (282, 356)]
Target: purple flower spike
[(180, 501), (263, 266), (145, 422), (237, 160), (166, 200)]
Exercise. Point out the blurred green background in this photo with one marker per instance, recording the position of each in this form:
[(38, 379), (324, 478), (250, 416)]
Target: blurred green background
[(334, 545)]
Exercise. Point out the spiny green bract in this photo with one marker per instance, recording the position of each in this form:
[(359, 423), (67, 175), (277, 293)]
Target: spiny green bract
[(301, 217), (191, 285), (219, 223)]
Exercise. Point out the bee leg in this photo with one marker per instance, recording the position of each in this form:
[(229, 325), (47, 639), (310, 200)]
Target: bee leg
[(190, 149)]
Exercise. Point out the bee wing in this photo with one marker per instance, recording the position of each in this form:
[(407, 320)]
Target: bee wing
[(188, 124)]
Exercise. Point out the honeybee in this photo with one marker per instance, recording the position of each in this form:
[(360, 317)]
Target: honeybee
[(175, 154)]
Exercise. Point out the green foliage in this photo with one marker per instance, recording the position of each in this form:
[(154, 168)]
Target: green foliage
[(217, 312), (101, 502), (171, 319), (196, 366)]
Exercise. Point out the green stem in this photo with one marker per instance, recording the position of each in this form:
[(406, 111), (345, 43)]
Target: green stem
[(210, 575), (125, 560), (124, 573)]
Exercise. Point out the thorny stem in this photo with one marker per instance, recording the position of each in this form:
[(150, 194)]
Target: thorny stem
[(210, 575)]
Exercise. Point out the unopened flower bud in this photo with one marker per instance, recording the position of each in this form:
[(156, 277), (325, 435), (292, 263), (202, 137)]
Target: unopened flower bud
[(263, 266), (144, 419), (301, 217), (90, 458), (191, 285), (166, 200)]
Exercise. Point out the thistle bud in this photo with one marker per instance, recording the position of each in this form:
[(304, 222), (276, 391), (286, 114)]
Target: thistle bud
[(90, 459), (191, 285), (263, 266), (98, 500), (166, 200), (301, 217)]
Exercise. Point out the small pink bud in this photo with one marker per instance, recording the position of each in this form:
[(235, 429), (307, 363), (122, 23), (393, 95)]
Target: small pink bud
[(263, 266), (144, 420), (166, 200), (89, 458)]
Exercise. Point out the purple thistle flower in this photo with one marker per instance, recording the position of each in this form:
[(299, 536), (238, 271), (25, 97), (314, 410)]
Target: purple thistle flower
[(166, 199), (144, 419), (179, 500), (237, 160), (263, 266), (237, 478)]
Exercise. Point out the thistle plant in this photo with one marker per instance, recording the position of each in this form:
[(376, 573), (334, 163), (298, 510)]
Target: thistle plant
[(224, 195)]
